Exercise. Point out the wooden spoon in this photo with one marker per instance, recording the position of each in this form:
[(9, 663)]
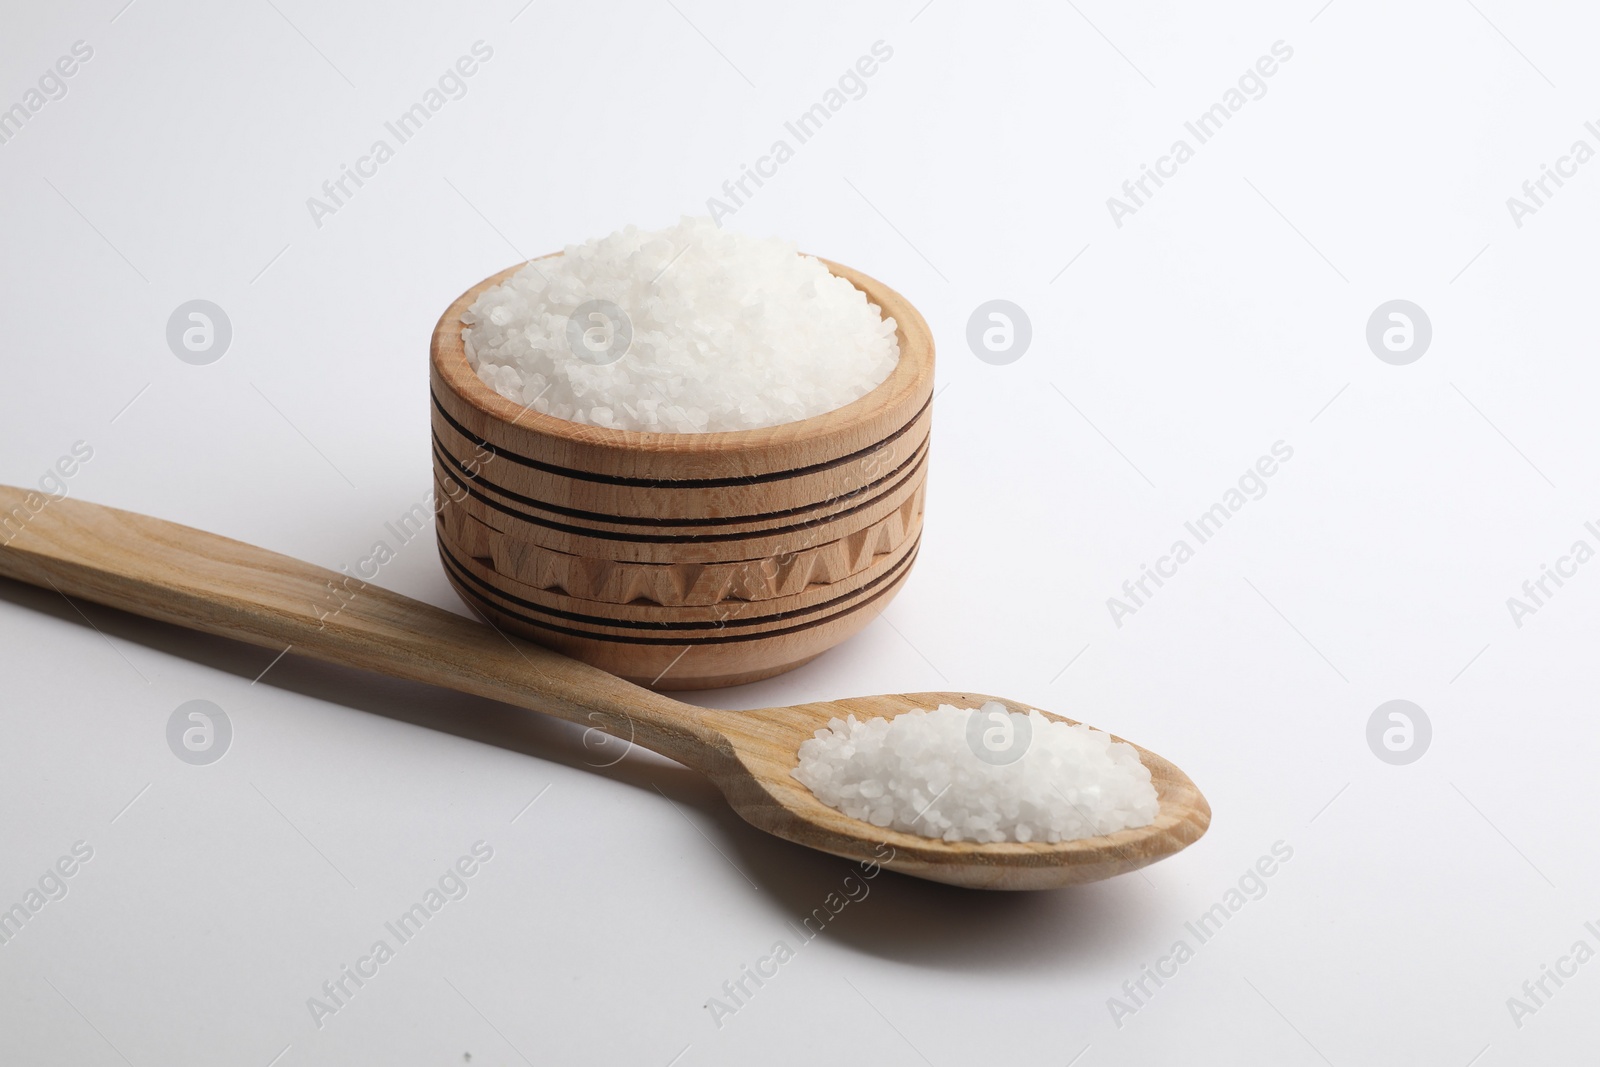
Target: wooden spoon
[(178, 575)]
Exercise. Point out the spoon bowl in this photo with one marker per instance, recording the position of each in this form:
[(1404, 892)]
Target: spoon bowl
[(760, 787), (220, 586)]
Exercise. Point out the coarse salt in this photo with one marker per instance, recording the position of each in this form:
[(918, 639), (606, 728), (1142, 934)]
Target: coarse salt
[(690, 329), (985, 774)]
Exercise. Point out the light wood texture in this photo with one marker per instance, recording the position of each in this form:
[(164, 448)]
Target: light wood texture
[(178, 575), (698, 583), (611, 545)]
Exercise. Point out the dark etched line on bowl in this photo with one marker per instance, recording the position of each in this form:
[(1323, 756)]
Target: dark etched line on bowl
[(462, 575), (632, 520), (483, 571), (490, 605), (679, 539), (672, 483)]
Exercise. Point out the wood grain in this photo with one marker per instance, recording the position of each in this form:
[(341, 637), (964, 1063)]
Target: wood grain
[(178, 575), (572, 535), (688, 583)]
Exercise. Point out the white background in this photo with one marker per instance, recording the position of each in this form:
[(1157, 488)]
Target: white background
[(1227, 314)]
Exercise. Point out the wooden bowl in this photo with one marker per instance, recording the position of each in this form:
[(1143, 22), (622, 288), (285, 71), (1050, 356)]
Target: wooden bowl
[(682, 560)]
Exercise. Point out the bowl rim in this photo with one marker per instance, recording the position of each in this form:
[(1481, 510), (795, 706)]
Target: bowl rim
[(911, 377)]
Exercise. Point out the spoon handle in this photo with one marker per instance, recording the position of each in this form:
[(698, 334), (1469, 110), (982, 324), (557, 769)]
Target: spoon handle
[(176, 574)]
